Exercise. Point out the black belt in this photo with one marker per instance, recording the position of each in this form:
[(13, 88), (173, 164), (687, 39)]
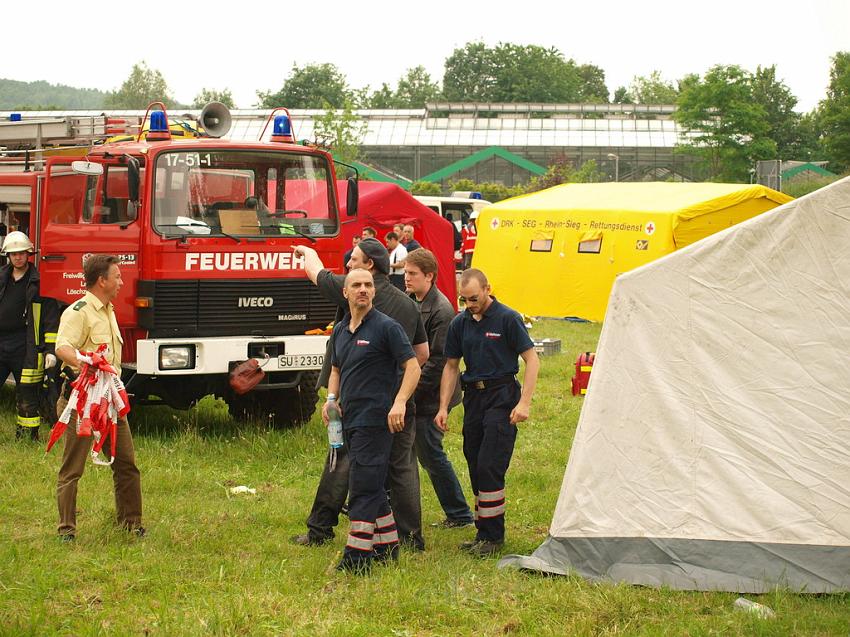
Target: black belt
[(490, 383)]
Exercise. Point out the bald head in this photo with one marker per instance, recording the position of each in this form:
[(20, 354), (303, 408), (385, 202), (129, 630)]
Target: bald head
[(359, 289)]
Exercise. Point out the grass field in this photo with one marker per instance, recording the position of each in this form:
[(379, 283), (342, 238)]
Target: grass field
[(218, 564)]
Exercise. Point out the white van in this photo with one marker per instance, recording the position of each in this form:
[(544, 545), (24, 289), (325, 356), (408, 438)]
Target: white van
[(456, 208)]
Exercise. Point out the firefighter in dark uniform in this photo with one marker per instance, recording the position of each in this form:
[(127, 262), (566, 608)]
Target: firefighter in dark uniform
[(369, 350), (489, 336), (28, 324), (403, 478)]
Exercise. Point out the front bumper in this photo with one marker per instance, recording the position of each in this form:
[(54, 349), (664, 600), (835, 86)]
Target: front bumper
[(214, 355)]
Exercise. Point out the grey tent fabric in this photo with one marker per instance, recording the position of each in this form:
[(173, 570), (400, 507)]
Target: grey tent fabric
[(713, 449)]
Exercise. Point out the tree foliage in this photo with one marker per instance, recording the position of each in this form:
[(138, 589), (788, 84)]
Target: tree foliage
[(563, 171), (652, 89), (413, 90), (729, 129), (778, 103), (834, 113), (341, 131), (42, 96), (313, 86), (519, 73), (143, 86), (208, 95), (425, 188)]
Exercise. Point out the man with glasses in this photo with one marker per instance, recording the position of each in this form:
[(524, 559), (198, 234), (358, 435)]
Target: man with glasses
[(489, 336)]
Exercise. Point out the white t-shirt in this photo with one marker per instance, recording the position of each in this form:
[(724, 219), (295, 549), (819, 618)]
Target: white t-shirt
[(397, 255)]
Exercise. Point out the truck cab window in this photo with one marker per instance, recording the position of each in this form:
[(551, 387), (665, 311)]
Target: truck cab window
[(243, 193)]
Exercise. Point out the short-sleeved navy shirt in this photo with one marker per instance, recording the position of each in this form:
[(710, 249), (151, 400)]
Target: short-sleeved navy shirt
[(369, 361), (489, 347)]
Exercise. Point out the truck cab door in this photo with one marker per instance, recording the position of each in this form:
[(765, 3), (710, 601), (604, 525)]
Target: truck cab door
[(82, 215)]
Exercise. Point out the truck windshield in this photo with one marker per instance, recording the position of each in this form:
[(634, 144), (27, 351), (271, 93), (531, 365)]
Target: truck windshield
[(243, 193)]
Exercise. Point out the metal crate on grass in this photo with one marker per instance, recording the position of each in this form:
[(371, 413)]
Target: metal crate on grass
[(547, 346)]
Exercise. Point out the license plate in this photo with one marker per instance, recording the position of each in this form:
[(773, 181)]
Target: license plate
[(300, 361)]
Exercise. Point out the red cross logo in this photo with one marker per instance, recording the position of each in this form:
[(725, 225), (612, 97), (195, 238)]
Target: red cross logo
[(495, 223), (650, 228)]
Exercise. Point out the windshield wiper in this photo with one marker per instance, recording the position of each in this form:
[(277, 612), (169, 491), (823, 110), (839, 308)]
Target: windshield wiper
[(212, 233), (289, 229)]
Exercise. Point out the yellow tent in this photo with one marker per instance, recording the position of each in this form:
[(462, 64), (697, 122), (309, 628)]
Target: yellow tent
[(556, 252)]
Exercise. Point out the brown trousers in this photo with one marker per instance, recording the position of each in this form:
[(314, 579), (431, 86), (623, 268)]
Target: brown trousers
[(125, 476)]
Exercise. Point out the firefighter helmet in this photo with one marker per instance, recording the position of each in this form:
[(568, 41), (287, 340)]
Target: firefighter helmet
[(17, 241)]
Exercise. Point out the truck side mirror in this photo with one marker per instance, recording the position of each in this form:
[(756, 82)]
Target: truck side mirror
[(352, 197), (132, 178)]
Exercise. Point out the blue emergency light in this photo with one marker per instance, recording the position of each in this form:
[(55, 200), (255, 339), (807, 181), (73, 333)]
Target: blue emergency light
[(15, 117), (475, 195), (158, 122), (282, 131), (282, 126)]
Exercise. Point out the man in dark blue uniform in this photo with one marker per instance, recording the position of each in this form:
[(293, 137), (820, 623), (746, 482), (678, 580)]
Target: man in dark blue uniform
[(369, 349), (403, 480), (489, 336)]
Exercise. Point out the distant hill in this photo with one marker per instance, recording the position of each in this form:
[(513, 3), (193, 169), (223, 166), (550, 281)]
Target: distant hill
[(41, 95)]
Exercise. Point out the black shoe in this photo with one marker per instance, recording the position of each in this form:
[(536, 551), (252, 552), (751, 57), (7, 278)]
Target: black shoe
[(468, 546), (387, 556), (138, 531), (308, 540), (356, 567), (411, 543), (66, 538), (486, 548), (24, 433), (448, 523)]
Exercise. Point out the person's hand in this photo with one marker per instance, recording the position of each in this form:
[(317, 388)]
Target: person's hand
[(441, 420), (395, 419), (519, 413), (49, 361), (303, 251), (325, 418)]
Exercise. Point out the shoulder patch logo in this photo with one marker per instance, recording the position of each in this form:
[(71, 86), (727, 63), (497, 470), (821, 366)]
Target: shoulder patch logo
[(79, 305)]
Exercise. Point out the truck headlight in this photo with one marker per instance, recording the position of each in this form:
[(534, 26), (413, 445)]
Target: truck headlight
[(177, 357)]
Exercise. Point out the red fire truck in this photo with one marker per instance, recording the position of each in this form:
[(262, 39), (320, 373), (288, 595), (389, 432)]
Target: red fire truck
[(205, 230)]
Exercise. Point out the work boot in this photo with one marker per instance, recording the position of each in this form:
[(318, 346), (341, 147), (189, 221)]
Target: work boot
[(307, 540), (356, 567), (66, 538), (449, 523), (26, 432), (388, 555), (486, 548), (468, 546)]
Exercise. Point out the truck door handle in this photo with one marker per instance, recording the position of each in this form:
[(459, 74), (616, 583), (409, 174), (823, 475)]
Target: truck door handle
[(53, 257)]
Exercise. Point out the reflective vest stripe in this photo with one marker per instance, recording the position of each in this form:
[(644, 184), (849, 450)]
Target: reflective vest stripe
[(491, 496), (492, 512), (31, 376), (36, 319), (359, 526), (385, 521), (386, 538), (50, 337), (586, 368), (32, 421), (359, 543)]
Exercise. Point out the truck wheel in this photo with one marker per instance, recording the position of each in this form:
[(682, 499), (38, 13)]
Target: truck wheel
[(293, 407)]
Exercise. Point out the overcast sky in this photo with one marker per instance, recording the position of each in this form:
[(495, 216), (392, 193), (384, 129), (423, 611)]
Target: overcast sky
[(248, 45)]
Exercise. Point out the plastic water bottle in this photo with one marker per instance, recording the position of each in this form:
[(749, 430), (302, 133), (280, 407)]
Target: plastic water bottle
[(760, 610), (335, 439)]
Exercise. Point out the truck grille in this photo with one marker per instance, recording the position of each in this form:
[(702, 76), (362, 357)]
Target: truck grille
[(266, 307)]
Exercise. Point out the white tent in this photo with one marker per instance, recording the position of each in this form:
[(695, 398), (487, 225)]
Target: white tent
[(713, 449)]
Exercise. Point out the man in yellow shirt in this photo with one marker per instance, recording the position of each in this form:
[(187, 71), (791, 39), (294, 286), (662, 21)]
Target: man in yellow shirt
[(84, 326)]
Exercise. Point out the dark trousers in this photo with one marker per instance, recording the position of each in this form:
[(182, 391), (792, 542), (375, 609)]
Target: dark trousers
[(13, 347), (372, 531), (433, 458), (402, 482), (125, 476), (488, 444)]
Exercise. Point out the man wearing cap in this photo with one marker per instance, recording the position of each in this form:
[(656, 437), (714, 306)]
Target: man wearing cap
[(403, 475), (489, 336), (28, 324)]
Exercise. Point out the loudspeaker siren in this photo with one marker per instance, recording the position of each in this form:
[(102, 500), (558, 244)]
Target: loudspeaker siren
[(215, 119)]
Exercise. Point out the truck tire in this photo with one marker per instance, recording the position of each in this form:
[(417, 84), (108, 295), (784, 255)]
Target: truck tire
[(280, 408)]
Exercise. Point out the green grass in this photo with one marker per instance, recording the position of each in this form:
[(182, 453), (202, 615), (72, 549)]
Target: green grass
[(219, 564)]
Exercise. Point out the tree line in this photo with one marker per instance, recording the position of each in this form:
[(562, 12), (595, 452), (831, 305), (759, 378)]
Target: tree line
[(737, 116)]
